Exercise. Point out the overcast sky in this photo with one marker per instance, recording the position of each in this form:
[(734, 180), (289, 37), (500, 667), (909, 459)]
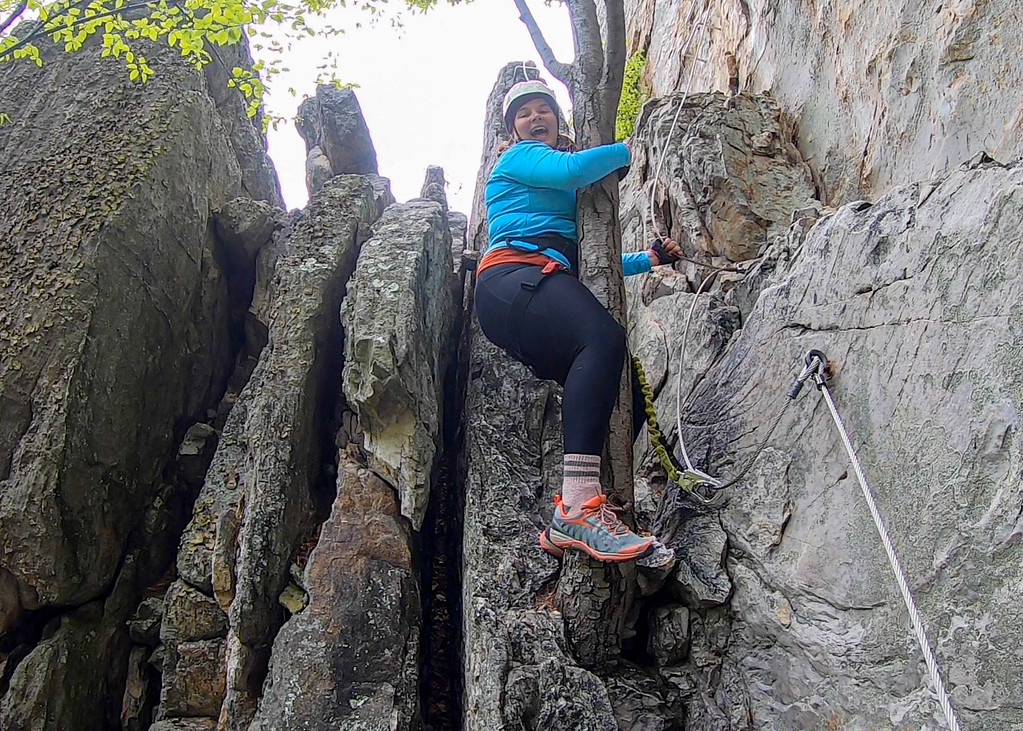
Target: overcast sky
[(423, 90)]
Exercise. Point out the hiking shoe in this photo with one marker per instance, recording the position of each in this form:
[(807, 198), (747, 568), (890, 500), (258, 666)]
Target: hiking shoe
[(597, 530)]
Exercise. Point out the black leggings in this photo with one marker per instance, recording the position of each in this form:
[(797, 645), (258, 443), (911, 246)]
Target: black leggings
[(567, 336)]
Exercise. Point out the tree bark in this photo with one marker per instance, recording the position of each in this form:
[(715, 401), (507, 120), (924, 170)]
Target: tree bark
[(594, 596)]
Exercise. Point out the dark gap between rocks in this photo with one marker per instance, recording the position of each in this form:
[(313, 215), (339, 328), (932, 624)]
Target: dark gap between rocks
[(20, 640), (439, 551)]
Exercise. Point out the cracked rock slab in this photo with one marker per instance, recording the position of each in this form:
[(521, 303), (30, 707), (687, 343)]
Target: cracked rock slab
[(398, 318)]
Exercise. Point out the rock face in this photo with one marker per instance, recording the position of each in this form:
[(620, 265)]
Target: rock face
[(89, 324), (881, 94), (258, 500), (350, 659), (85, 658), (724, 175), (910, 299), (182, 363), (816, 635), (116, 337), (336, 137), (398, 318)]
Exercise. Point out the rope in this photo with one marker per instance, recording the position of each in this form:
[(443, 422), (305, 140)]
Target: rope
[(893, 560), (687, 480), (712, 482), (671, 132), (681, 360), (690, 478)]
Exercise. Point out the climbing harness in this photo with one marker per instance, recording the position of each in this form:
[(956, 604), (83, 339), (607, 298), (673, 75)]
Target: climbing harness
[(518, 309)]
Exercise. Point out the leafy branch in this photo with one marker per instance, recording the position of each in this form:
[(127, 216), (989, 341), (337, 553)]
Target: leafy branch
[(194, 27), (22, 7)]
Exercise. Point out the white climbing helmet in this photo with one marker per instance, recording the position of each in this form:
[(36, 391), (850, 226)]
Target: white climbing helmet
[(522, 92)]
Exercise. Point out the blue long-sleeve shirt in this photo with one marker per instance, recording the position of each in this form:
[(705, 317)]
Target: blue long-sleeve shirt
[(532, 190)]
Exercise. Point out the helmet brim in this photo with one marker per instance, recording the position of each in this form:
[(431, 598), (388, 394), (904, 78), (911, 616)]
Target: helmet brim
[(513, 108)]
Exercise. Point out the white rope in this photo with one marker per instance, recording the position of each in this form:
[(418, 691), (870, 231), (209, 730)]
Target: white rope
[(678, 387), (652, 194), (671, 131), (900, 577)]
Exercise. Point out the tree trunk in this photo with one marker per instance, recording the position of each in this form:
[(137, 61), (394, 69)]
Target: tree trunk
[(594, 596)]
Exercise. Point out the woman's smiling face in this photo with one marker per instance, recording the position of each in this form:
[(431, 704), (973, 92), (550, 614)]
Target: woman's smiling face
[(536, 120)]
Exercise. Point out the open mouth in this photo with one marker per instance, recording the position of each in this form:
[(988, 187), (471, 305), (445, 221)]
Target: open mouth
[(538, 131)]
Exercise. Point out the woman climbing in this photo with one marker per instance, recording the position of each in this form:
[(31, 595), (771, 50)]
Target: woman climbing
[(530, 303)]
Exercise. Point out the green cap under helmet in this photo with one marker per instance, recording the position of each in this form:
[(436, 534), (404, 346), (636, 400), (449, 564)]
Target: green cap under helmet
[(523, 92)]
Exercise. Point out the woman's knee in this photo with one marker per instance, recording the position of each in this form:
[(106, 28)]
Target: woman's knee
[(619, 344), (610, 341)]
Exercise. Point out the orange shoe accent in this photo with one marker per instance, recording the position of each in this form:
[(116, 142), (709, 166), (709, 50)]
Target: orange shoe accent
[(630, 554), (594, 511)]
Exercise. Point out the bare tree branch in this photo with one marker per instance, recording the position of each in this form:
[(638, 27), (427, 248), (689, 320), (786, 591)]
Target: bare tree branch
[(560, 71), (589, 51), (14, 15), (614, 56)]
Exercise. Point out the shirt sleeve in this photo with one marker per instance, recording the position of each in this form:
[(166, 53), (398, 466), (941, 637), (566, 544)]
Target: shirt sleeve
[(541, 166), (635, 262)]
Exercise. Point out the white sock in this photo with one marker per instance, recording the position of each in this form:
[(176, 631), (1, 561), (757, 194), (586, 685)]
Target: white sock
[(581, 480)]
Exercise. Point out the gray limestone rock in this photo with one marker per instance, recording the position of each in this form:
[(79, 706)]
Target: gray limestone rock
[(144, 625), (196, 452), (911, 300), (85, 658), (669, 640), (114, 324), (700, 545), (190, 615), (643, 702), (874, 108), (459, 225), (245, 226), (10, 601), (135, 707), (730, 179), (518, 664), (317, 170), (185, 724), (522, 677), (256, 503), (333, 121), (435, 187), (350, 658), (311, 267), (193, 680), (398, 318)]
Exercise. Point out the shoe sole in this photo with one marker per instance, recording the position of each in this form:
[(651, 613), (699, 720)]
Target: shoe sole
[(561, 541)]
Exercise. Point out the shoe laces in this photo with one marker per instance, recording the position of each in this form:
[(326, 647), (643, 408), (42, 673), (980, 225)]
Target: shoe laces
[(608, 516)]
